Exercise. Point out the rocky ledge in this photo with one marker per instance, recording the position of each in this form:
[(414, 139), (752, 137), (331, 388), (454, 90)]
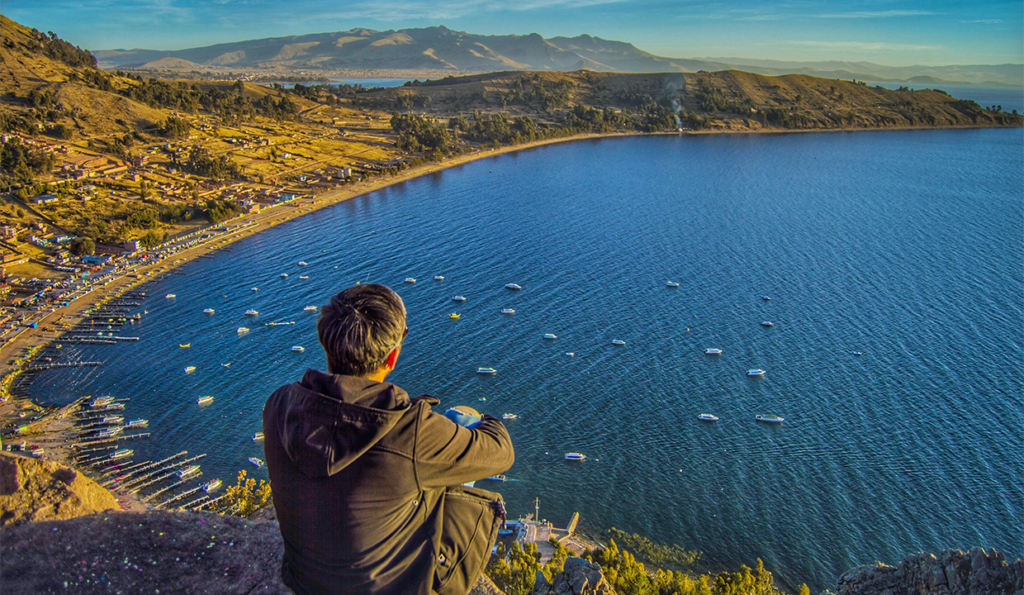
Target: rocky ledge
[(952, 572)]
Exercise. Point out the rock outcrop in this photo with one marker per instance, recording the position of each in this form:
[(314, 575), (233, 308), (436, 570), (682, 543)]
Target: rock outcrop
[(37, 490), (952, 572), (578, 577)]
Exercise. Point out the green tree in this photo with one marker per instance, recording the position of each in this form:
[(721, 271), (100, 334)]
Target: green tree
[(83, 246)]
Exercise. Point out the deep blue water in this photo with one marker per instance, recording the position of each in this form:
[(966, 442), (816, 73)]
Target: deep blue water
[(906, 246)]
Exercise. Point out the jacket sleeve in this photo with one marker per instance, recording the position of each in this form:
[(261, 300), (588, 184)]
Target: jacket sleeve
[(447, 454)]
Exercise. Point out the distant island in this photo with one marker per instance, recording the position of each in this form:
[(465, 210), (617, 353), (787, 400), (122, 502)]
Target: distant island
[(435, 52)]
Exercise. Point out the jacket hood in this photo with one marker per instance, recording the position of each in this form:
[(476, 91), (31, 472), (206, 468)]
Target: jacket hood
[(327, 421)]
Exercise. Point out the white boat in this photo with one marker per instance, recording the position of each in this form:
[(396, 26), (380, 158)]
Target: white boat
[(570, 353), (486, 371), (170, 296), (302, 263), (190, 369), (122, 453), (767, 323), (114, 407), (309, 309), (251, 312), (713, 351), (102, 401), (497, 478), (509, 416), (254, 289), (138, 423), (672, 284), (109, 432), (769, 419), (618, 342), (112, 419), (298, 348), (507, 311), (188, 471), (242, 330), (550, 336), (212, 485), (208, 311), (766, 298), (257, 437), (227, 365), (303, 277), (256, 461), (755, 372), (279, 323), (283, 275), (512, 286), (707, 417), (410, 280), (438, 277), (202, 401), (575, 456), (459, 298)]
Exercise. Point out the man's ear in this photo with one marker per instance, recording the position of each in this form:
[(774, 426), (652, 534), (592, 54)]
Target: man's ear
[(392, 359)]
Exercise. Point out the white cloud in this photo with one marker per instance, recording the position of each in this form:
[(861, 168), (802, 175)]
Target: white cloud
[(876, 14), (864, 46)]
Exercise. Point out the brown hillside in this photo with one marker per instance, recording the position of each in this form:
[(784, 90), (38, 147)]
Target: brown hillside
[(38, 490)]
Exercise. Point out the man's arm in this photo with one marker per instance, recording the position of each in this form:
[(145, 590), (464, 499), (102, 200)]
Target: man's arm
[(448, 454)]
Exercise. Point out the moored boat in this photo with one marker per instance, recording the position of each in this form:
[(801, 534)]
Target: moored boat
[(507, 311), (486, 371), (298, 348), (438, 277), (671, 284), (170, 296), (410, 280), (713, 351), (256, 461), (251, 312), (769, 419), (459, 298), (242, 330), (575, 456), (283, 275), (190, 369), (497, 478), (707, 417), (513, 286), (767, 323), (137, 423), (618, 342), (212, 485), (455, 316), (122, 453), (102, 401), (188, 471), (309, 309), (302, 263), (509, 416), (257, 437), (201, 401), (755, 372), (209, 311)]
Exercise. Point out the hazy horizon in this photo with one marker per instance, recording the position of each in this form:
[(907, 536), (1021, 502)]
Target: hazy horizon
[(888, 33)]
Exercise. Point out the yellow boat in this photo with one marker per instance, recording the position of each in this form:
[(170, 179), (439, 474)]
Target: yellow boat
[(454, 316), (184, 345)]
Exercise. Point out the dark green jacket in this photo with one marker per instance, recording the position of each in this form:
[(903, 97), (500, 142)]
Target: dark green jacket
[(358, 472)]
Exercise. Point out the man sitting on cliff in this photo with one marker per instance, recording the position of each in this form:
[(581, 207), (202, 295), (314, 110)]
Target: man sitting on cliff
[(361, 473)]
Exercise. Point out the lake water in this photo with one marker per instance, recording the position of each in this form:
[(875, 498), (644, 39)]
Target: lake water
[(904, 246)]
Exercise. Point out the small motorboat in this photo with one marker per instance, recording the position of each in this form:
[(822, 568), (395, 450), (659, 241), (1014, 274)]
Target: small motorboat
[(459, 298), (618, 342), (755, 372), (309, 309), (251, 312), (769, 419), (298, 348), (184, 345), (509, 416), (208, 311), (303, 277), (767, 323), (512, 286), (707, 417), (671, 284), (257, 437), (254, 289), (713, 351), (550, 336), (507, 311), (438, 277), (170, 296), (256, 461), (454, 315), (212, 485), (575, 456), (203, 401), (486, 371), (190, 369), (283, 275), (302, 263), (496, 478), (766, 298), (410, 280), (242, 330)]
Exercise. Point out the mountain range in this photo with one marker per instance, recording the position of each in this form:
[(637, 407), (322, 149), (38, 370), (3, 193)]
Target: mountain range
[(439, 50)]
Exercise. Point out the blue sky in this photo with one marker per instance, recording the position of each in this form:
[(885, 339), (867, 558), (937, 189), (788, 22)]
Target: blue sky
[(891, 32)]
